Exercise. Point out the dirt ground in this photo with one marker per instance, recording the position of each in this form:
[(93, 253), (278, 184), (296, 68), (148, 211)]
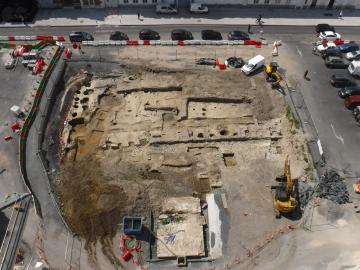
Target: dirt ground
[(160, 128)]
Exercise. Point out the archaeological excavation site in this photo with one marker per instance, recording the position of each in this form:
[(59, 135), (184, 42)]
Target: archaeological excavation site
[(161, 165)]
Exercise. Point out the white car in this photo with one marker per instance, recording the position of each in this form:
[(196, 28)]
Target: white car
[(324, 47), (165, 9), (198, 8), (329, 35), (353, 55)]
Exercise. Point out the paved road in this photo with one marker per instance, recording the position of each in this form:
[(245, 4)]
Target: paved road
[(103, 32), (337, 128)]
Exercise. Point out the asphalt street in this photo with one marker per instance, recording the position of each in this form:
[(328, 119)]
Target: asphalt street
[(338, 131), (103, 32)]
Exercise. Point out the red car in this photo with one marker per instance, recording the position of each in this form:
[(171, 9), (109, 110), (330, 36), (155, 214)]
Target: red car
[(351, 102)]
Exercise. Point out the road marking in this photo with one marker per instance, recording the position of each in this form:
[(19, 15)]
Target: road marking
[(299, 52), (341, 139), (320, 147), (66, 247)]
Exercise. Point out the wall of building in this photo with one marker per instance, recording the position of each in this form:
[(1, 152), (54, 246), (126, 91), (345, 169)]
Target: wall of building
[(253, 3)]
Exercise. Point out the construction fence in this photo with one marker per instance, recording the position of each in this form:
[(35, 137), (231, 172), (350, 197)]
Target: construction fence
[(30, 118)]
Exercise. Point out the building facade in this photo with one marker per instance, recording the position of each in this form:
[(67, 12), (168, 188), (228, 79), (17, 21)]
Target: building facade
[(249, 3)]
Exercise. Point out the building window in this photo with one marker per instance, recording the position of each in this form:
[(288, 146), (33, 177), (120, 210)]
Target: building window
[(126, 1), (266, 1), (256, 1), (135, 1), (278, 1), (288, 1), (144, 1), (154, 1)]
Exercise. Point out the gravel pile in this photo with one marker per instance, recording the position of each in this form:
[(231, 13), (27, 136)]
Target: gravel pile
[(333, 188)]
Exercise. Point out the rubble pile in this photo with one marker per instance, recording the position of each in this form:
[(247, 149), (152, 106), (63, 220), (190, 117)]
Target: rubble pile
[(333, 188)]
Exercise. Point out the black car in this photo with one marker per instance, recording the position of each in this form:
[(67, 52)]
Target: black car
[(181, 34), (338, 80), (324, 27), (238, 35), (117, 35), (331, 52), (211, 35), (349, 91), (336, 62), (148, 34), (80, 36)]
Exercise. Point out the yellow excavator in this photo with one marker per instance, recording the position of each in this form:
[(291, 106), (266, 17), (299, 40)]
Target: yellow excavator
[(286, 192), (272, 75)]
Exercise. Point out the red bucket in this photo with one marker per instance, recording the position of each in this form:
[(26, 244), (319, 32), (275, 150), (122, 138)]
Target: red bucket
[(126, 256)]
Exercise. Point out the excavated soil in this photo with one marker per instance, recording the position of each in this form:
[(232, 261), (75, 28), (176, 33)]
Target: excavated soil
[(135, 142)]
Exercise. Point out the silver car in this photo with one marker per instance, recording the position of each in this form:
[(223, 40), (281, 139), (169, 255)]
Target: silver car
[(355, 55)]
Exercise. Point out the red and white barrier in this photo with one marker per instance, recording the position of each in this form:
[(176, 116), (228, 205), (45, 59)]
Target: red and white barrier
[(136, 42), (337, 41), (24, 38)]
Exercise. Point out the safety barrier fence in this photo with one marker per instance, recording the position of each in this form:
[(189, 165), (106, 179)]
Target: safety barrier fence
[(30, 38), (172, 42), (337, 41), (30, 119), (37, 46)]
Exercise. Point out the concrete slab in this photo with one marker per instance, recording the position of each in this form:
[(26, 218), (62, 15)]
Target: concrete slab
[(180, 230)]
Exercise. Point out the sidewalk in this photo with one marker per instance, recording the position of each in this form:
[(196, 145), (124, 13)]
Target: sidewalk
[(127, 16)]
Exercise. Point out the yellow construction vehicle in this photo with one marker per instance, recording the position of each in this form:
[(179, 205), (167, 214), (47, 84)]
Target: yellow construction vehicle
[(286, 192), (272, 75)]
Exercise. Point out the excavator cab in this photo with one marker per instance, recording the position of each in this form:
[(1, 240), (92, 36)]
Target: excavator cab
[(272, 74), (285, 200)]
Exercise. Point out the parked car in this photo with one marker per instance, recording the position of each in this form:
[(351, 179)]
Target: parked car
[(354, 55), (357, 117), (335, 62), (331, 52), (324, 27), (211, 35), (352, 102), (339, 80), (181, 34), (253, 64), (238, 35), (80, 36), (324, 47), (165, 9), (356, 111), (349, 91), (198, 8), (348, 47), (329, 35), (117, 35), (354, 68), (148, 34)]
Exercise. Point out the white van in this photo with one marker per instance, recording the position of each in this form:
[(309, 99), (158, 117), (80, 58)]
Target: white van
[(253, 64), (354, 68), (165, 9), (198, 8)]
